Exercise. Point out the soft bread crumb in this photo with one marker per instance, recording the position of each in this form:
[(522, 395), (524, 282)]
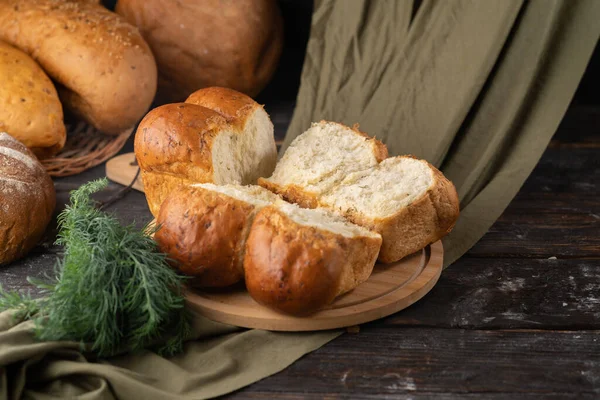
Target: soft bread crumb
[(323, 155), (384, 190), (245, 156), (255, 195), (323, 219)]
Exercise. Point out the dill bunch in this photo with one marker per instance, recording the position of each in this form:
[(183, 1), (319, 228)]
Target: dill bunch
[(112, 289)]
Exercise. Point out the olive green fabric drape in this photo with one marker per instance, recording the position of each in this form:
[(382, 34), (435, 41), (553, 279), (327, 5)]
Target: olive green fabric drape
[(476, 87), (218, 359)]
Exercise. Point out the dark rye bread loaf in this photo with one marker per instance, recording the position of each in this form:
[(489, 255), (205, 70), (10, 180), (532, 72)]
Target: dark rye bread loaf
[(27, 199)]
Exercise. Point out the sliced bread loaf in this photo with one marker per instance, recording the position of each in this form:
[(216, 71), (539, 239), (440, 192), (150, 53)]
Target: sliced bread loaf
[(299, 260), (408, 201), (203, 229), (319, 159), (217, 136)]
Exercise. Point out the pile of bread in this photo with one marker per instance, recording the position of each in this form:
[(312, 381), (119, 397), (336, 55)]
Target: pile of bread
[(298, 232), (102, 65), (75, 58)]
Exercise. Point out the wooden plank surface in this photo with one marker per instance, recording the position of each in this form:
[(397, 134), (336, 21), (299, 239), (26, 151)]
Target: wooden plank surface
[(421, 363), (483, 293)]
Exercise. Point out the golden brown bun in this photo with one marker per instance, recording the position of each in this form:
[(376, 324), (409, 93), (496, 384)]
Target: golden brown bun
[(29, 106), (175, 143), (197, 44), (173, 147), (204, 232), (105, 69), (27, 199), (299, 269)]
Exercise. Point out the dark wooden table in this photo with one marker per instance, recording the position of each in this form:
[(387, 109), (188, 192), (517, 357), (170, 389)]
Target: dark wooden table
[(517, 317)]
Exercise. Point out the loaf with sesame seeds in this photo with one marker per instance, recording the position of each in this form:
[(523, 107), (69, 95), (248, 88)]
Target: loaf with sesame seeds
[(105, 71), (27, 199)]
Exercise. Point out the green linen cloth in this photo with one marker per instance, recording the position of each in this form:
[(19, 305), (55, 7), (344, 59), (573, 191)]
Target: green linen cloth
[(476, 87), (217, 359)]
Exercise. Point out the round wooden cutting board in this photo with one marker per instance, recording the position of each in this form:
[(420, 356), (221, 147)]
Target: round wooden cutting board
[(390, 288)]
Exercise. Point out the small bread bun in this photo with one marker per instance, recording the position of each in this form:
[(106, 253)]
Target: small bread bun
[(203, 230), (299, 260)]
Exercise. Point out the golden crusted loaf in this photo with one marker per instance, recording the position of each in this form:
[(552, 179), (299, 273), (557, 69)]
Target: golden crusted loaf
[(27, 199), (105, 69), (29, 106), (198, 44), (217, 136)]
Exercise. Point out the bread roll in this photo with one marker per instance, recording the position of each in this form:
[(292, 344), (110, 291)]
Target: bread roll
[(29, 106), (297, 260), (27, 199), (105, 69), (408, 201), (319, 159), (234, 44), (203, 230), (183, 143)]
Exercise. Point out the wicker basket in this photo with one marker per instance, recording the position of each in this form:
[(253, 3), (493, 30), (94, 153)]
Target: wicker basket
[(86, 147)]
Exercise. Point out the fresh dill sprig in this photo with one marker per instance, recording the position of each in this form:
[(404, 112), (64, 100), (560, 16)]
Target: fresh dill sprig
[(112, 289), (24, 306)]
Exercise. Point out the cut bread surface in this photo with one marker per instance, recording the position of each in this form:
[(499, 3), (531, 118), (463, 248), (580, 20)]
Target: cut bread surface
[(323, 155), (252, 194), (324, 220), (243, 157), (383, 190)]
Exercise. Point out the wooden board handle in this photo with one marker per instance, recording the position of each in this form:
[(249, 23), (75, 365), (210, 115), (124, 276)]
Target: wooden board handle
[(122, 169)]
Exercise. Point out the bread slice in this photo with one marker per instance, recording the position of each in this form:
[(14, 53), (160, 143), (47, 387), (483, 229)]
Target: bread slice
[(299, 260), (407, 200), (218, 136), (203, 229), (319, 159)]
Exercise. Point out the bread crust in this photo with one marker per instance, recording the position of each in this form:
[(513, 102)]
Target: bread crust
[(106, 71), (425, 221), (204, 233), (173, 146), (29, 106), (299, 269), (234, 106), (27, 199), (234, 44)]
